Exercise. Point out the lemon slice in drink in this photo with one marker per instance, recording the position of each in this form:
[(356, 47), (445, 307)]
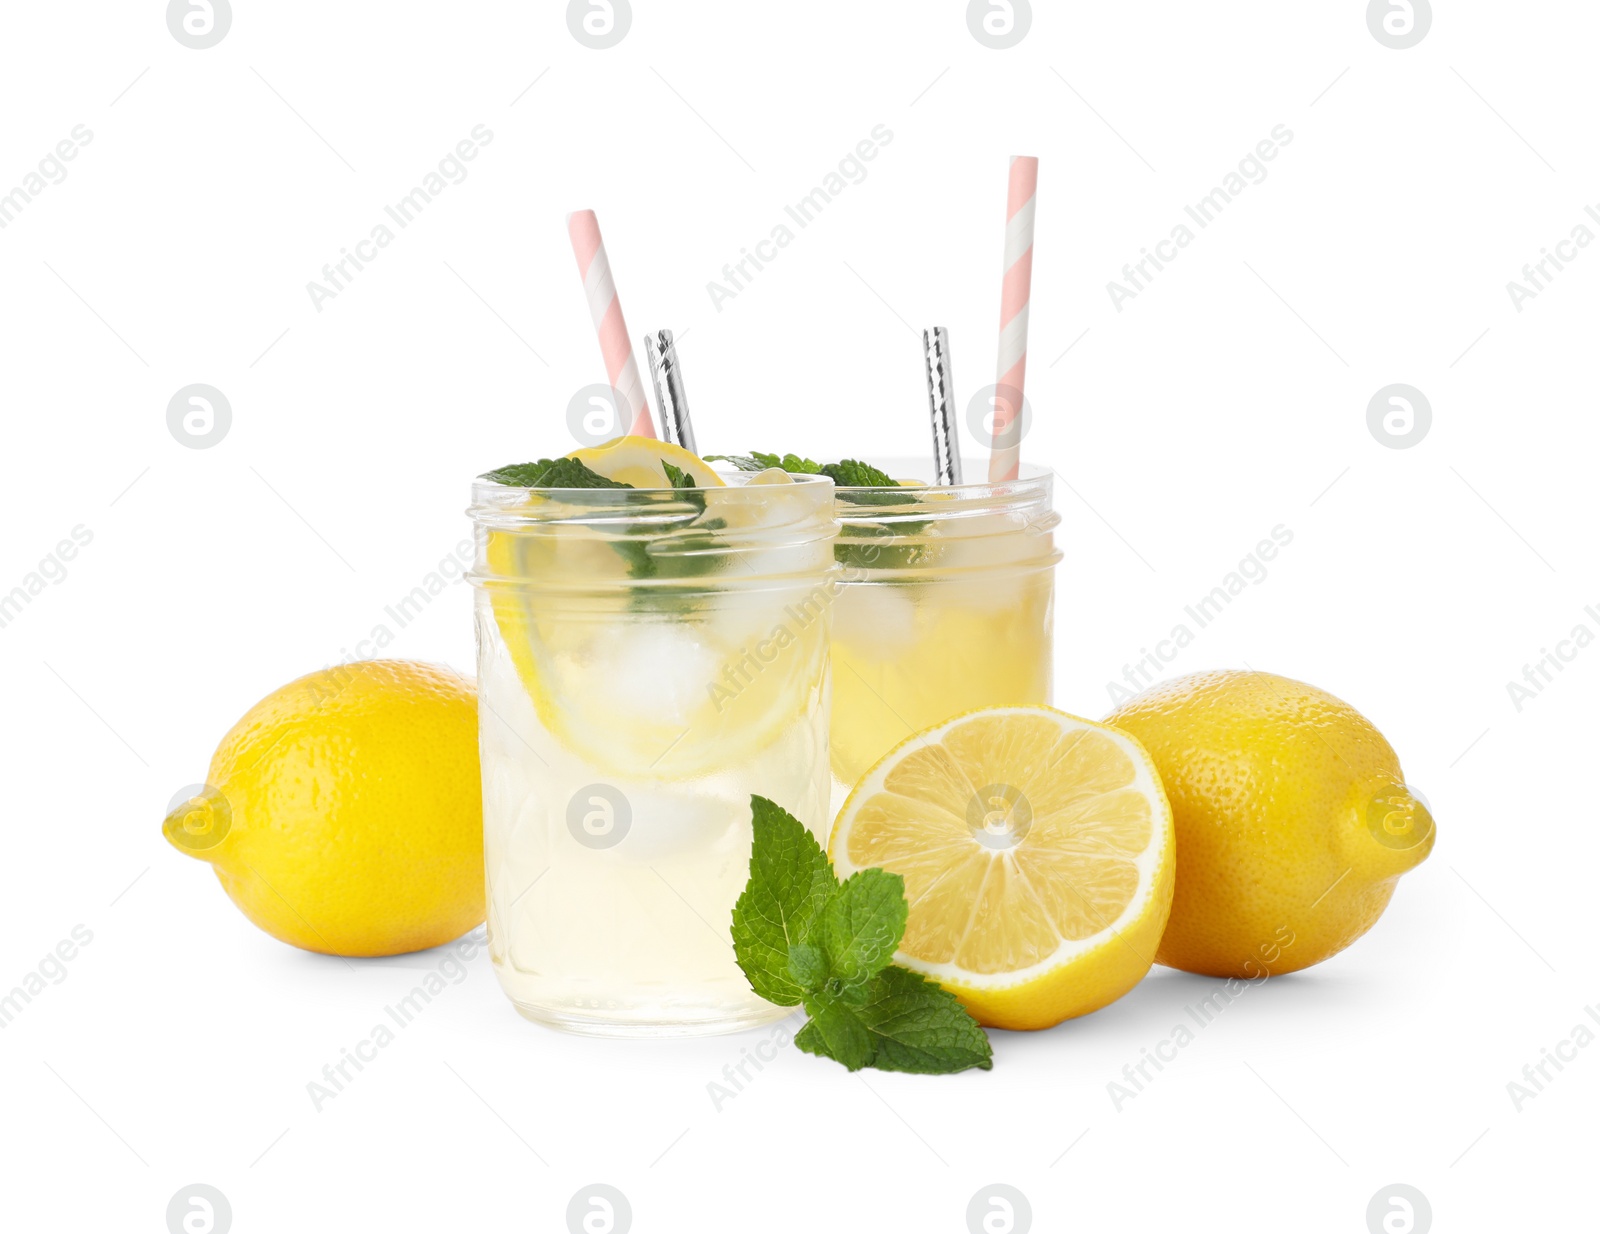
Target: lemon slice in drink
[(1037, 851), (668, 688), (637, 461)]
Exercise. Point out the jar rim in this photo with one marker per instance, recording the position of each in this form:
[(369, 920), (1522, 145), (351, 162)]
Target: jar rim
[(743, 478), (1031, 496)]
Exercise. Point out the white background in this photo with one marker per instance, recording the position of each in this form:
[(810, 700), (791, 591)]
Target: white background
[(1227, 399)]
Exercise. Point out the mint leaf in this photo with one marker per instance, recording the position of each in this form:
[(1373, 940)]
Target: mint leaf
[(852, 473), (684, 484), (790, 882), (552, 473), (863, 923), (518, 475), (792, 463), (808, 966), (908, 1022), (570, 473), (835, 1031), (922, 1027)]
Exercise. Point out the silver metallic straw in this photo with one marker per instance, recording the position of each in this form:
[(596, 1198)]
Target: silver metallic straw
[(671, 403), (942, 406)]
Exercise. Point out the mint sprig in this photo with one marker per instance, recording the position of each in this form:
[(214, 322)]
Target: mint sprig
[(552, 473), (804, 938)]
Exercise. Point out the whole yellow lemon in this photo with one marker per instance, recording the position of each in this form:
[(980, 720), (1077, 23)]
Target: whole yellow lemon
[(344, 814), (1293, 820)]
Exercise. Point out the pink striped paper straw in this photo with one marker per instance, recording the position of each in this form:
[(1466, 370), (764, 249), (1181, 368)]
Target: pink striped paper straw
[(622, 371), (1005, 457)]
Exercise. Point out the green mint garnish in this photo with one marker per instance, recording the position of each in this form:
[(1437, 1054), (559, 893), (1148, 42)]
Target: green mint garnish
[(802, 937), (858, 546), (552, 473), (518, 475), (757, 461), (684, 484), (792, 463), (895, 1021), (642, 564), (851, 473), (863, 924), (790, 884)]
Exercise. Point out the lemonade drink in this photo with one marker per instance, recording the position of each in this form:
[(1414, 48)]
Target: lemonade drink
[(946, 605), (648, 660)]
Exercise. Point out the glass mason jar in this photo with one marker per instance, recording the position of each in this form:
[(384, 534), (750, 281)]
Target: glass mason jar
[(946, 605), (647, 660)]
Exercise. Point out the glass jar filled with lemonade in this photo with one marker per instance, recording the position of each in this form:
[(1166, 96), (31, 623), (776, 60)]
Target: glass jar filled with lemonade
[(945, 605), (650, 656)]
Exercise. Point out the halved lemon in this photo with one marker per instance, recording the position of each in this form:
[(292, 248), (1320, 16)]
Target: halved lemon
[(1037, 850)]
